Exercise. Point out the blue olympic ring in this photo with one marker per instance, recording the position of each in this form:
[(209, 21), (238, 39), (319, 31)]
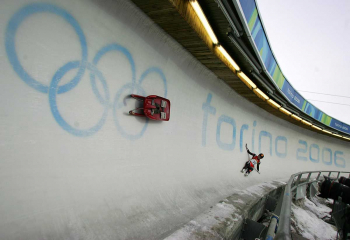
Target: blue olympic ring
[(53, 104), (12, 28), (55, 89), (99, 54), (140, 91), (161, 74)]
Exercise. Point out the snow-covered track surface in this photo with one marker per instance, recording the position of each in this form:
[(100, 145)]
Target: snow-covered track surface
[(75, 165)]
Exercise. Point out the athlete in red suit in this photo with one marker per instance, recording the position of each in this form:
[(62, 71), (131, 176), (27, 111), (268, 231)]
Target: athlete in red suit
[(250, 164)]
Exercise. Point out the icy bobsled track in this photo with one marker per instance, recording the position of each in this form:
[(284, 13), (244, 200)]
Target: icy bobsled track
[(75, 164)]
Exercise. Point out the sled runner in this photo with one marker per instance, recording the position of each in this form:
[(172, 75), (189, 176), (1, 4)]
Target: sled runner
[(154, 107)]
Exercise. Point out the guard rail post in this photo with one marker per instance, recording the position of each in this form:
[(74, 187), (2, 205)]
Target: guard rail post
[(283, 231), (272, 227), (318, 176)]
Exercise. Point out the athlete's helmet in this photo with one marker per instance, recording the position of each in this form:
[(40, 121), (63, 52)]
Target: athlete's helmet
[(261, 155)]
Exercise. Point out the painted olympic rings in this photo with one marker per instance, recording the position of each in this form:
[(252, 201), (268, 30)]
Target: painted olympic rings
[(12, 28), (53, 104), (54, 88)]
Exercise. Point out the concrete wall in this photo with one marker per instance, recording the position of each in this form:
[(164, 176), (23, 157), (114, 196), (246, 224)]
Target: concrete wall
[(75, 165)]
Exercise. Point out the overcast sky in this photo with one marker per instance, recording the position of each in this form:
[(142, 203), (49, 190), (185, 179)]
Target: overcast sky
[(311, 42)]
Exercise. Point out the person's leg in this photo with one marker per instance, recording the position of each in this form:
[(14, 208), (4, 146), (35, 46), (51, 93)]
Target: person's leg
[(245, 166), (249, 169)]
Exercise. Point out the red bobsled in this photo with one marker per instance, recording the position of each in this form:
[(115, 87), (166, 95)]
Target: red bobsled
[(154, 107)]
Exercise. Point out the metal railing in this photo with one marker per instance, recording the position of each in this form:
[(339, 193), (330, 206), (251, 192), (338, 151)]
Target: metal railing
[(294, 182)]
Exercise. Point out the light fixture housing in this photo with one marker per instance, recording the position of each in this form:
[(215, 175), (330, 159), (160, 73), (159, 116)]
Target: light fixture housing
[(228, 58), (315, 127), (285, 111), (197, 8), (260, 94), (326, 131), (273, 104), (296, 117), (246, 80), (306, 122)]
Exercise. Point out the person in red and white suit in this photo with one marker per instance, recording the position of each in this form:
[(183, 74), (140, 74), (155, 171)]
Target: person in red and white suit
[(250, 164)]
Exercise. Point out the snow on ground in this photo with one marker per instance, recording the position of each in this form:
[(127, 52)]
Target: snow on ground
[(307, 219), (225, 216)]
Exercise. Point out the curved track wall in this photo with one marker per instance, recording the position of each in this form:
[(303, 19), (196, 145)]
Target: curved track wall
[(74, 164)]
